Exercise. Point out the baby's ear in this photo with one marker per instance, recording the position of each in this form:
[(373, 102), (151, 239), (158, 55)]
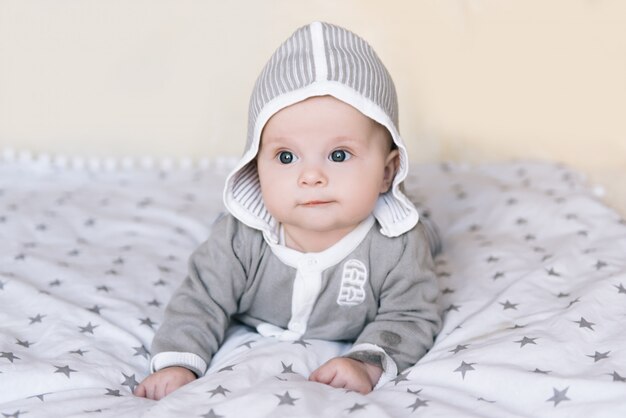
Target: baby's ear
[(392, 162)]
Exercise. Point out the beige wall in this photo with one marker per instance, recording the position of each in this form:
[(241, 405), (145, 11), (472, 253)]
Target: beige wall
[(477, 79)]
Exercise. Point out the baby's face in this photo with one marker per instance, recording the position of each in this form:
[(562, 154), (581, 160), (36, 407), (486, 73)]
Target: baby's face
[(322, 165)]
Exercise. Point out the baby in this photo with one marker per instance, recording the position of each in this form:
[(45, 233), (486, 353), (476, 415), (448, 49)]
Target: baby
[(320, 241)]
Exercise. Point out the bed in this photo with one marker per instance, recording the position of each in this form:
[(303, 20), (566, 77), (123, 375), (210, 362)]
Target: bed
[(533, 279)]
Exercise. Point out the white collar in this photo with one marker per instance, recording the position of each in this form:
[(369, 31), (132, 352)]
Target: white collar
[(329, 257)]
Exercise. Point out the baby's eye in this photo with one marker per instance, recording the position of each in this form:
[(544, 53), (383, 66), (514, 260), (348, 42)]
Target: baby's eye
[(286, 157), (340, 155)]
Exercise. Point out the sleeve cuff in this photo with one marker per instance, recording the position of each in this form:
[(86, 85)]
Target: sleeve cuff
[(189, 361), (390, 369)]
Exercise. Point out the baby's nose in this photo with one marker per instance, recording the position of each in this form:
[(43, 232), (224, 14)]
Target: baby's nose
[(312, 176)]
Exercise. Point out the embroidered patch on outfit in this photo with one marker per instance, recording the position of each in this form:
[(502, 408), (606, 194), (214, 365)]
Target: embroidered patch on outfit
[(353, 279)]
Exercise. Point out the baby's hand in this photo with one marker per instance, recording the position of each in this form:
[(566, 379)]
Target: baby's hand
[(160, 384), (342, 372)]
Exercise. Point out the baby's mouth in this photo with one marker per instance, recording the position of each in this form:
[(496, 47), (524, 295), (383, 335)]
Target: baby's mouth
[(314, 203)]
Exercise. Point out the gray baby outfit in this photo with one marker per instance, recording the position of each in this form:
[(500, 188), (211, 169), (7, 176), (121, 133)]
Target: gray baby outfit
[(375, 286)]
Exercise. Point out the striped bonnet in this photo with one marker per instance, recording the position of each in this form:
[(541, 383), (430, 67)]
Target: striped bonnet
[(320, 59)]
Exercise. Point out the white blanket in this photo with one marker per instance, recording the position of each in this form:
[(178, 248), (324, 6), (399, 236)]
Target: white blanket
[(534, 297)]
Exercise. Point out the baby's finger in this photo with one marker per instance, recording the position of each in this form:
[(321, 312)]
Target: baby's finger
[(140, 391), (359, 386), (323, 375), (150, 391), (160, 391), (169, 388), (338, 381)]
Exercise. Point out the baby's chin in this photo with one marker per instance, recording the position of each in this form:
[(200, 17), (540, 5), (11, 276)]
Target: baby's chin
[(319, 229)]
